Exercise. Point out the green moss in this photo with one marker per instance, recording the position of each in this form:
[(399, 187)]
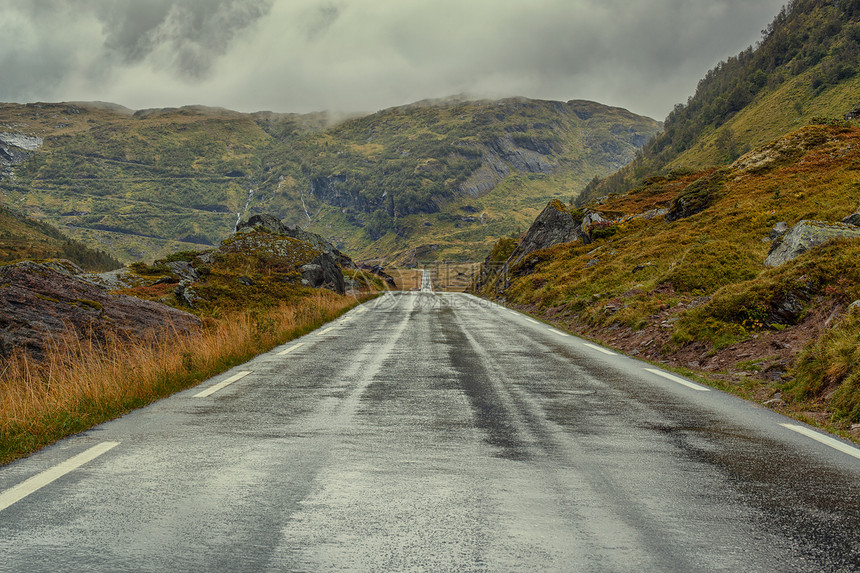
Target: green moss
[(89, 303)]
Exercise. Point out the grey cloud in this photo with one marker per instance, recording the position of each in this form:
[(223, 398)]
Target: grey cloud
[(305, 55), (195, 32)]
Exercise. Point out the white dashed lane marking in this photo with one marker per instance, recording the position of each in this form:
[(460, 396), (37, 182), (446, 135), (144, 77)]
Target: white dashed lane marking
[(39, 481), (600, 349), (221, 385), (826, 440), (677, 380), (291, 348)]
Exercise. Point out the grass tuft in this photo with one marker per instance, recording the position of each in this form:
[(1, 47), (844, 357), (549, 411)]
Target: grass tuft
[(81, 383)]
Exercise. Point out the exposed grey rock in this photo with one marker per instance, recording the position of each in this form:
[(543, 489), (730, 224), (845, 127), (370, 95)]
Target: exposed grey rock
[(652, 214), (554, 225), (21, 141), (804, 236), (778, 230), (324, 272), (183, 270), (38, 302), (853, 219), (185, 293), (16, 148), (247, 281), (854, 113), (786, 309), (591, 220), (264, 222)]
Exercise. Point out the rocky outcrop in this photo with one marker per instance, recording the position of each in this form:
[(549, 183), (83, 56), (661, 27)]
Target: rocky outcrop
[(16, 148), (554, 225), (323, 272), (805, 235), (39, 302), (273, 225)]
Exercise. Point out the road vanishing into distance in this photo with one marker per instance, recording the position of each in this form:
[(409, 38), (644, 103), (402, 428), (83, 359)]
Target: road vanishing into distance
[(437, 432)]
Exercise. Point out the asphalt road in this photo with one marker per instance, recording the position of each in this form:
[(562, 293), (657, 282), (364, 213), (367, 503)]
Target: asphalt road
[(437, 432)]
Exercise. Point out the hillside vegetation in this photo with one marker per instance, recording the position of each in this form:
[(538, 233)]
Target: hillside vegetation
[(806, 65), (432, 180), (688, 285), (22, 238)]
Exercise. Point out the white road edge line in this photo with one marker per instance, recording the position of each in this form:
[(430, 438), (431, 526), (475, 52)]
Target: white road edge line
[(533, 321), (677, 379), (40, 480), (290, 349), (601, 349), (359, 311), (826, 440), (219, 385), (560, 333), (327, 330)]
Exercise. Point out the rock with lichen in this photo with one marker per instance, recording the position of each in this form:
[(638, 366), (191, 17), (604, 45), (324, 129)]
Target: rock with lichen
[(806, 235), (41, 302)]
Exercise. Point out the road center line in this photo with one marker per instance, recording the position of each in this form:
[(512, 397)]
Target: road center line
[(826, 440), (677, 379), (222, 384), (560, 333), (40, 480), (290, 349)]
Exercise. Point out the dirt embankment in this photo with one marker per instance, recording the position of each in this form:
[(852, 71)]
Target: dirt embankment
[(754, 369)]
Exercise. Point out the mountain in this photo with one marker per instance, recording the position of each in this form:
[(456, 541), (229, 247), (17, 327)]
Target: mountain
[(436, 179), (806, 65)]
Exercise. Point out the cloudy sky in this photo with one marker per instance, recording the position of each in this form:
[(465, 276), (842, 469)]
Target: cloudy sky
[(365, 55)]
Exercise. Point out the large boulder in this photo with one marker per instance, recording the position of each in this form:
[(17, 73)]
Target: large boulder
[(554, 225), (323, 271), (39, 302), (805, 235)]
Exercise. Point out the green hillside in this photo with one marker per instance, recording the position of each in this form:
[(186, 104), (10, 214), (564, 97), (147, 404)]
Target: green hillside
[(22, 239), (439, 179), (690, 287), (805, 66)]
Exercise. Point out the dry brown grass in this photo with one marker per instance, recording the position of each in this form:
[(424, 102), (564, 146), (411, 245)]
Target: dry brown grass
[(81, 382)]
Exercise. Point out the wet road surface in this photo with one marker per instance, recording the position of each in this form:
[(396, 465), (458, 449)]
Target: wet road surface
[(437, 432)]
